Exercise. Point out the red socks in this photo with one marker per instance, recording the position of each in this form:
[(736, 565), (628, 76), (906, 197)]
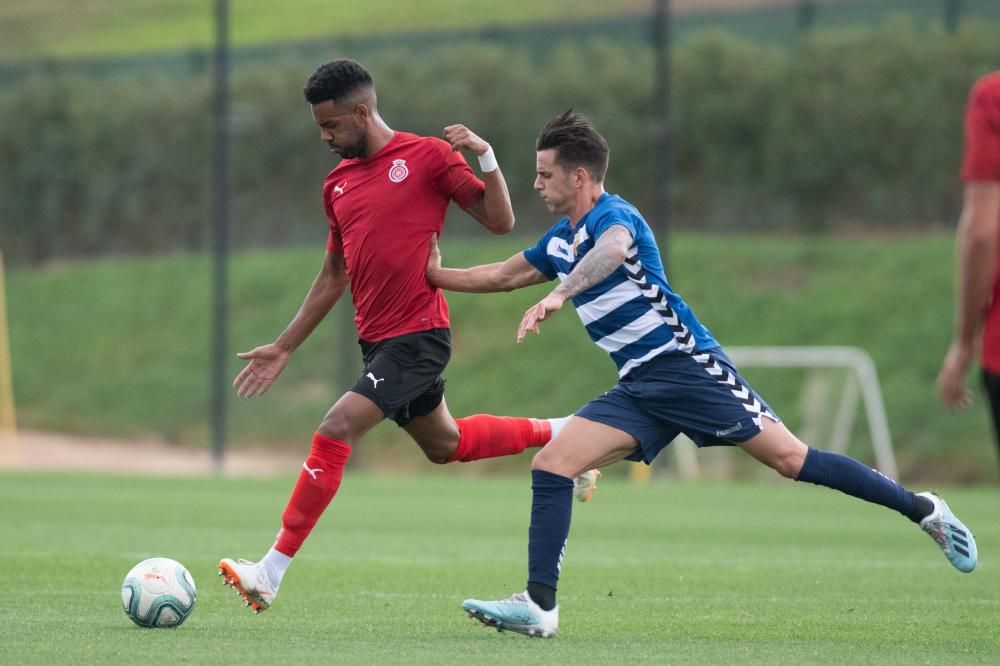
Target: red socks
[(487, 436), (318, 483), (482, 436)]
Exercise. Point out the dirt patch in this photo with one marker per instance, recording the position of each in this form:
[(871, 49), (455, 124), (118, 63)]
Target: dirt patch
[(33, 450)]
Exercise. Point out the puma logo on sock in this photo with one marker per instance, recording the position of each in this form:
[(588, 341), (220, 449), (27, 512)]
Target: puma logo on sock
[(312, 472)]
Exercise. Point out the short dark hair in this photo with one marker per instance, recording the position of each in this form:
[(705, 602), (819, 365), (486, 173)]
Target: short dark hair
[(576, 143), (335, 80)]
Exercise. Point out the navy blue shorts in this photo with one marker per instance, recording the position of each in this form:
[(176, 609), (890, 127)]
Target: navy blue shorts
[(701, 395)]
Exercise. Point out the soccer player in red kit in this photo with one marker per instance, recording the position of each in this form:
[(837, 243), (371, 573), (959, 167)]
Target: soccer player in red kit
[(977, 311), (385, 200)]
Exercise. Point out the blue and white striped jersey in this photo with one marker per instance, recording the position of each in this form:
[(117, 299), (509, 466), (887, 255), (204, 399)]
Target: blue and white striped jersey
[(633, 314)]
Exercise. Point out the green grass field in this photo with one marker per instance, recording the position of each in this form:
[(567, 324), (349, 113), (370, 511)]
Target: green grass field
[(662, 573)]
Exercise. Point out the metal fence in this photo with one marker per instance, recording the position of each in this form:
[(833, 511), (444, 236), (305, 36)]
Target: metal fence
[(91, 204), (777, 23)]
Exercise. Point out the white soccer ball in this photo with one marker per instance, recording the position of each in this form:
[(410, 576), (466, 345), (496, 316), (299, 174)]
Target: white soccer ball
[(158, 592)]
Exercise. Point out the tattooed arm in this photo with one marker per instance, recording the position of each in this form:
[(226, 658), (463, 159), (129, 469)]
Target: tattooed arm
[(608, 254)]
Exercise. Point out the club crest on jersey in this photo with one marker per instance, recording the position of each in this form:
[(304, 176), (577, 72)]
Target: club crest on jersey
[(398, 171)]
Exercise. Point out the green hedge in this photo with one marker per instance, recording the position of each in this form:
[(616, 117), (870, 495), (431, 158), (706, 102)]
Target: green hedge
[(857, 128)]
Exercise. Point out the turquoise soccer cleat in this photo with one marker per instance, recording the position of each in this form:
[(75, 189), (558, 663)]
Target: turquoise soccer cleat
[(954, 538), (519, 613)]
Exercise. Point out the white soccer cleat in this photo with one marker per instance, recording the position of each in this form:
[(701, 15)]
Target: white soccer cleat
[(519, 613), (251, 581), (954, 538), (585, 485)]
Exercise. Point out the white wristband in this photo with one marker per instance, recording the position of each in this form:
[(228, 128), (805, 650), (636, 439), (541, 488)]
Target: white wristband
[(488, 161)]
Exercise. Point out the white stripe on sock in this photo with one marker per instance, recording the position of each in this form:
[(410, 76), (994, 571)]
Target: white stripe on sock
[(558, 425)]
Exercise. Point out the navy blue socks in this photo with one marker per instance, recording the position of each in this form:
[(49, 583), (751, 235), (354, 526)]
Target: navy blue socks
[(551, 509), (847, 475)]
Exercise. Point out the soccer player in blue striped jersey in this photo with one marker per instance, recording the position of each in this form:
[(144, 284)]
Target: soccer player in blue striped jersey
[(674, 376)]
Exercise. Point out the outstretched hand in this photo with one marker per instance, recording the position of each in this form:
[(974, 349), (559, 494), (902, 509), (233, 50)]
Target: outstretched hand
[(266, 363), (537, 314), (460, 136)]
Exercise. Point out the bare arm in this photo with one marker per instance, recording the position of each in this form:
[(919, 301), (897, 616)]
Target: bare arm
[(267, 362), (608, 254), (508, 275), (493, 209), (976, 251), (976, 247), (326, 290)]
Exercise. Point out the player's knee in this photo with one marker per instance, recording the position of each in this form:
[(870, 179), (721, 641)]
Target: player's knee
[(543, 461), (337, 426)]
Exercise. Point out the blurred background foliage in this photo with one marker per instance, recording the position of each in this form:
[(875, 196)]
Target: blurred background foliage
[(854, 128), (814, 190)]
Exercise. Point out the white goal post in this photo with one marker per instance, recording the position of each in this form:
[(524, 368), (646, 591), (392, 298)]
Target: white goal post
[(861, 377)]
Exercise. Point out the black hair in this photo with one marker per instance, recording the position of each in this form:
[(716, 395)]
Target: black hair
[(576, 143), (335, 80)]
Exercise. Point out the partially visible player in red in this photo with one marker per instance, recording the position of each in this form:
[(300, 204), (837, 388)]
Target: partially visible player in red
[(385, 200), (977, 280)]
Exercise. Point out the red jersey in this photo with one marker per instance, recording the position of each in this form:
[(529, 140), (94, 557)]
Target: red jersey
[(382, 213), (981, 162)]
